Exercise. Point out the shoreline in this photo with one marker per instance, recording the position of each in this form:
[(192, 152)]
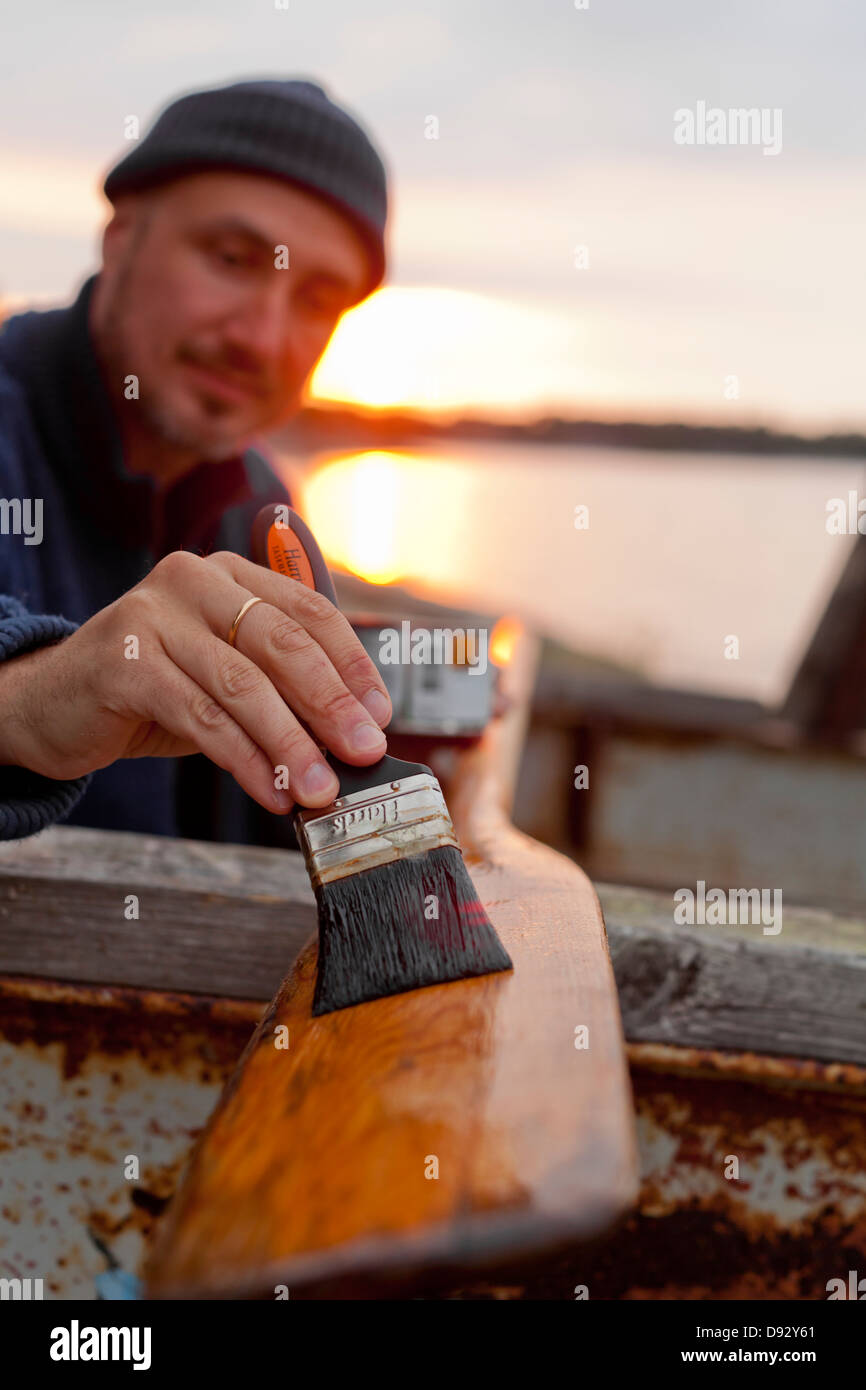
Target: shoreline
[(325, 427)]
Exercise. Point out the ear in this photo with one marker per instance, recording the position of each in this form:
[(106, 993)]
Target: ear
[(120, 227)]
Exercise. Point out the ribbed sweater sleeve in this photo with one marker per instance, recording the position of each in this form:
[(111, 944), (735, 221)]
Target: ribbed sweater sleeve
[(28, 801)]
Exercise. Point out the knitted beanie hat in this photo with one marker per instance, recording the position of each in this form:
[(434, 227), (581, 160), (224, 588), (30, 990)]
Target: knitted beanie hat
[(290, 129)]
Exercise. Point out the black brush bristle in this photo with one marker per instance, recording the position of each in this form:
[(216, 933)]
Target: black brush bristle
[(378, 933)]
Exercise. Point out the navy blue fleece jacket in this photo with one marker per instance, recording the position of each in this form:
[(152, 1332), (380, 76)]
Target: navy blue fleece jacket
[(102, 530)]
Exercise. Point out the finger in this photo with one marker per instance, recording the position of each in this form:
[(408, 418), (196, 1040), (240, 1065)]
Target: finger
[(305, 678), (300, 671), (177, 703), (241, 688), (331, 629)]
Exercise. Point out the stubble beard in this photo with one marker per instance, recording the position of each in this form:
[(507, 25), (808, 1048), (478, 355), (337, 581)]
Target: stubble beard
[(210, 446), (164, 420)]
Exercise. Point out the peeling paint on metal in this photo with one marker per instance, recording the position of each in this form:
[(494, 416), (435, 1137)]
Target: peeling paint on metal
[(88, 1076)]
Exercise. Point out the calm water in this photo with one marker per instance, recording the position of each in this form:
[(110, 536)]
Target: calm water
[(681, 551)]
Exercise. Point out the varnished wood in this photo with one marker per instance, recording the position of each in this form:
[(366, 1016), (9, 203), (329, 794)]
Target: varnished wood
[(311, 1173)]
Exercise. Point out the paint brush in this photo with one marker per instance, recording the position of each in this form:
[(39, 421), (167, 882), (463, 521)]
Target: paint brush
[(397, 908)]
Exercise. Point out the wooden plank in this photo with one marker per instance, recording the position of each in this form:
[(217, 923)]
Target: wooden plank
[(313, 1170), (829, 934), (828, 693), (213, 919), (730, 987)]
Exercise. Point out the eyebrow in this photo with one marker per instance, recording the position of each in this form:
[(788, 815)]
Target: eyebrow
[(237, 226)]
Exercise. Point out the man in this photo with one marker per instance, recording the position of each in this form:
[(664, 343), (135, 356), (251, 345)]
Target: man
[(245, 223)]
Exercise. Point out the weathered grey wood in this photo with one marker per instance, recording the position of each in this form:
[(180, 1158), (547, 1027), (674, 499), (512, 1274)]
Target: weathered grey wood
[(213, 919), (799, 994), (652, 908)]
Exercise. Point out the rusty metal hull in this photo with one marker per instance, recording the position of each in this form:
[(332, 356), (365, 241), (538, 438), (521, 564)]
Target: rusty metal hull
[(89, 1076), (792, 1220)]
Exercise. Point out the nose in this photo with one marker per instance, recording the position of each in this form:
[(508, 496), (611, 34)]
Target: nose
[(260, 328), (272, 335)]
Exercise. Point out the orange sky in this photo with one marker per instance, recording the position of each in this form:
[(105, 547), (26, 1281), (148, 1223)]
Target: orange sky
[(555, 131)]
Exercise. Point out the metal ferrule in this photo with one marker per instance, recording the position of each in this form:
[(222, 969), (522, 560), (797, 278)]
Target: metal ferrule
[(374, 827)]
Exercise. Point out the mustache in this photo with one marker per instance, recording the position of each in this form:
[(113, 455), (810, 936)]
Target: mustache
[(235, 367)]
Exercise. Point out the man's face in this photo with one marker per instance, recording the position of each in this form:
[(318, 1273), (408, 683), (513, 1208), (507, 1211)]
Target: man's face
[(190, 301)]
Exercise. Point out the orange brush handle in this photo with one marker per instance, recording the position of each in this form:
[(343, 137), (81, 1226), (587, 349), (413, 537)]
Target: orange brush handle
[(281, 541)]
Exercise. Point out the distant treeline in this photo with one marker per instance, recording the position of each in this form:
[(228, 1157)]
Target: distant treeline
[(341, 426)]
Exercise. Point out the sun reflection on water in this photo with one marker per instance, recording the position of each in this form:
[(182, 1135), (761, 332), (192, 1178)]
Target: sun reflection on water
[(388, 516)]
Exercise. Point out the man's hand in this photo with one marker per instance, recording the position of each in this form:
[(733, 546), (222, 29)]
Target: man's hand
[(77, 706)]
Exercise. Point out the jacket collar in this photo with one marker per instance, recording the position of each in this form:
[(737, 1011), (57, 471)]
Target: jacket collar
[(51, 354)]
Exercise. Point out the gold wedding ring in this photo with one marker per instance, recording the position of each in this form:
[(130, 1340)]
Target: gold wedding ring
[(233, 630)]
